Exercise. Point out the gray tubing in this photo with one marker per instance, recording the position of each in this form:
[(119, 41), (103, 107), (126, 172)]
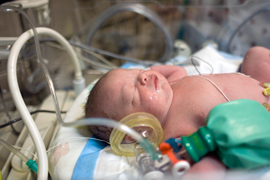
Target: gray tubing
[(140, 9)]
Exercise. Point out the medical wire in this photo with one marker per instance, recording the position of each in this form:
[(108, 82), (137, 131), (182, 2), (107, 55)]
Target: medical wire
[(204, 77), (95, 63), (15, 151), (13, 82), (7, 114), (90, 121), (26, 159), (215, 86), (33, 112), (88, 49), (109, 65), (207, 78), (101, 58), (29, 162), (100, 51), (223, 94), (192, 61), (16, 147), (111, 123), (35, 135), (66, 140), (43, 168)]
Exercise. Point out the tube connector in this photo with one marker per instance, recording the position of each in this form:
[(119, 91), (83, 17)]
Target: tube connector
[(266, 85), (79, 85), (32, 165), (266, 91)]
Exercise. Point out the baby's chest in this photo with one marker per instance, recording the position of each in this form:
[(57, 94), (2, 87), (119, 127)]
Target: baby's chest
[(198, 93), (194, 97), (192, 102), (217, 88)]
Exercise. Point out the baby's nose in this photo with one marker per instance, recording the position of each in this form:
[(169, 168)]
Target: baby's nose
[(147, 79), (143, 78)]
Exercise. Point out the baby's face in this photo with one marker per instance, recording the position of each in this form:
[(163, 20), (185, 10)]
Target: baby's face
[(138, 91)]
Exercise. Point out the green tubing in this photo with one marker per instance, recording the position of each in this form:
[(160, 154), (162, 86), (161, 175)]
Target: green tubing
[(32, 165), (239, 131), (154, 154), (199, 143)]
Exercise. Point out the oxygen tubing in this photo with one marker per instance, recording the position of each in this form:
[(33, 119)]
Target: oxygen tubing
[(29, 162), (19, 102), (139, 9), (15, 151), (111, 123)]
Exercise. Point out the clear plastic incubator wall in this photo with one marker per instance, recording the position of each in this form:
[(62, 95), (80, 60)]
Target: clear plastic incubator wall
[(52, 52)]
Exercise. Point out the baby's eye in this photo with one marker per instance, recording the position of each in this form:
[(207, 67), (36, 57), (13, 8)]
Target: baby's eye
[(133, 96)]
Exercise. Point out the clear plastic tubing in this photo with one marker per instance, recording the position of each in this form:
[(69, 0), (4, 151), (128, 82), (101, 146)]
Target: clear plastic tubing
[(14, 88), (90, 121), (50, 32), (111, 123), (15, 151), (143, 159), (140, 9), (13, 83), (19, 102)]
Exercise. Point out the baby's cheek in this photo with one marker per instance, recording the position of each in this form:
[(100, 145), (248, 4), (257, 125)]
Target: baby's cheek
[(149, 99), (166, 91)]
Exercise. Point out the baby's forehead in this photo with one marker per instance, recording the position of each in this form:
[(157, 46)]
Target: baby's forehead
[(114, 79), (123, 73), (117, 72)]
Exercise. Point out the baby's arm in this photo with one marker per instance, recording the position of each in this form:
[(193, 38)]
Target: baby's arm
[(208, 168), (170, 72)]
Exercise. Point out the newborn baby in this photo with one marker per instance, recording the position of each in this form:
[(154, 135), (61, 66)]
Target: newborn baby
[(180, 102)]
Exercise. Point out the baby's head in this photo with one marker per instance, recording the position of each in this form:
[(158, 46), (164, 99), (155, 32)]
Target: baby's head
[(121, 92)]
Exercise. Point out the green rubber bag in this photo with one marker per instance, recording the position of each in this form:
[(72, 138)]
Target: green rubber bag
[(239, 131)]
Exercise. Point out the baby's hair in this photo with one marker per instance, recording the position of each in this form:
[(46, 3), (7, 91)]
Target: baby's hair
[(93, 108)]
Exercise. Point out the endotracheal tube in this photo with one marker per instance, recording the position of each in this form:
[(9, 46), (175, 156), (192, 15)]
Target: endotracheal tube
[(111, 123)]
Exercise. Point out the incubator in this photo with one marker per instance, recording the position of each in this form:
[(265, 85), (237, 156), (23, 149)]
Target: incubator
[(53, 48)]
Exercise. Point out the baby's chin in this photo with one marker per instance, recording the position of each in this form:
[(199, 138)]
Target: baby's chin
[(166, 136)]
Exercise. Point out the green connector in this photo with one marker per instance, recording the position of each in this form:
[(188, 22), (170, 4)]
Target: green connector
[(32, 165)]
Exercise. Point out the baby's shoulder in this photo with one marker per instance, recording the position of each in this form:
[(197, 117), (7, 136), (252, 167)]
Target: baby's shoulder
[(216, 77)]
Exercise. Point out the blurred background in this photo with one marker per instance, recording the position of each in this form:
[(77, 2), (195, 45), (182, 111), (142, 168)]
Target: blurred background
[(231, 25)]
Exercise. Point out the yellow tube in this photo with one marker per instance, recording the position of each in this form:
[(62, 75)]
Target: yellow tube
[(145, 124), (266, 85), (266, 91)]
